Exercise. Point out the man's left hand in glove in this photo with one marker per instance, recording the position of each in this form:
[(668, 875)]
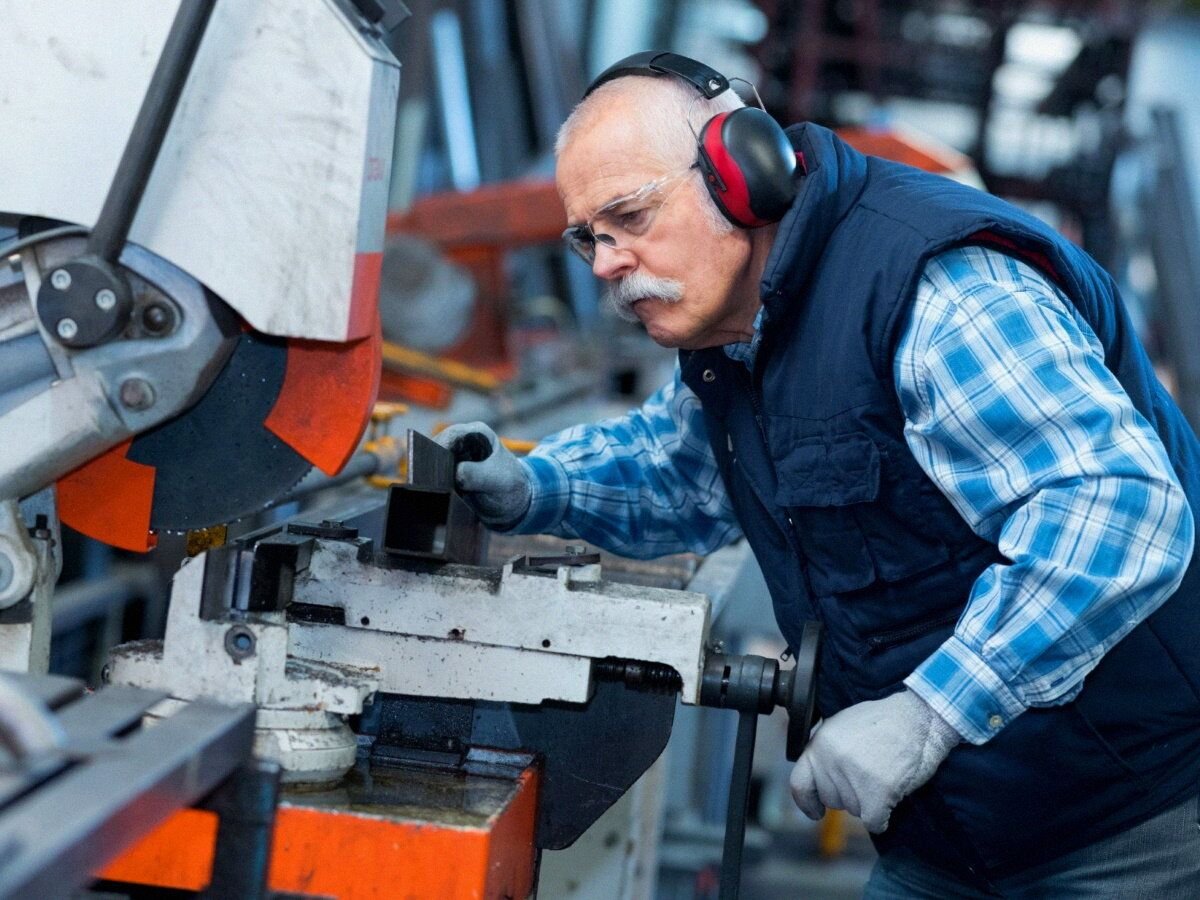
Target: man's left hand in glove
[(870, 756)]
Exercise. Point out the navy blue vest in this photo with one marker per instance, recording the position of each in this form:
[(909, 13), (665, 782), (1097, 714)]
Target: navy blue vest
[(849, 529)]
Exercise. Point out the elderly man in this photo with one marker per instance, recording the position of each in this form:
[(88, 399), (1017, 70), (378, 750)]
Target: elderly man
[(930, 417)]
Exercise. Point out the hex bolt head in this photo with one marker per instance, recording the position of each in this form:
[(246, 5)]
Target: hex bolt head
[(106, 299), (67, 328), (136, 394), (61, 279), (156, 318)]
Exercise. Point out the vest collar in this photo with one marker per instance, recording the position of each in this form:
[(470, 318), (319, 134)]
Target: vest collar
[(836, 176)]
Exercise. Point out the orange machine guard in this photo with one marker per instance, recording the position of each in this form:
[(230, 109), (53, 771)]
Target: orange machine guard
[(328, 392), (109, 499), (322, 411)]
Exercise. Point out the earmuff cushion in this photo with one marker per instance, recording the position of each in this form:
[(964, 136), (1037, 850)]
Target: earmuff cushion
[(723, 176), (749, 153)]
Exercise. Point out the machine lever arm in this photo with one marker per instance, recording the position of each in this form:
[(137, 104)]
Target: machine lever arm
[(754, 685), (149, 129)]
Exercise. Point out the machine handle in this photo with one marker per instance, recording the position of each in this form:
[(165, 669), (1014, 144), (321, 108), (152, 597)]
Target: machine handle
[(752, 685)]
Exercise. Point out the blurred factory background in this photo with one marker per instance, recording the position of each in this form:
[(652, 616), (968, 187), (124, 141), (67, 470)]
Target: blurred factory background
[(1086, 113)]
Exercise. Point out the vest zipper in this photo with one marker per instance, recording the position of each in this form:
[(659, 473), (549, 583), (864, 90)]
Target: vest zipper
[(755, 403), (890, 639)]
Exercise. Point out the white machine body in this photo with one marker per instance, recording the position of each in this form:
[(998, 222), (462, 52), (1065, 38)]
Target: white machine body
[(271, 186)]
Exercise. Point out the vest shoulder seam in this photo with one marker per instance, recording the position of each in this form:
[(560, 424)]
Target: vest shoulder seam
[(891, 218)]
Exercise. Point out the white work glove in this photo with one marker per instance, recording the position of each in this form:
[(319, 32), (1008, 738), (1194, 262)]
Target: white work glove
[(870, 756), (496, 487)]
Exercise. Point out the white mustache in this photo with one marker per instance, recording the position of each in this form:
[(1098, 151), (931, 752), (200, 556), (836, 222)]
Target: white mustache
[(620, 295)]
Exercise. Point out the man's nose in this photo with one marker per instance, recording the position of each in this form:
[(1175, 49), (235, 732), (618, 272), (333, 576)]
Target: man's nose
[(612, 262)]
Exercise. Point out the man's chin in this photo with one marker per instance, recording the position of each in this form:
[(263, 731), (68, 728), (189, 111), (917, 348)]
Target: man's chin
[(661, 335)]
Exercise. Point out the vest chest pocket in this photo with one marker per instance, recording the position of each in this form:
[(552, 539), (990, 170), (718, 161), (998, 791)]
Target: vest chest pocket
[(852, 515)]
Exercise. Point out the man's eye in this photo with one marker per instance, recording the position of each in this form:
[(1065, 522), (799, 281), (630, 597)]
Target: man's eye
[(634, 220)]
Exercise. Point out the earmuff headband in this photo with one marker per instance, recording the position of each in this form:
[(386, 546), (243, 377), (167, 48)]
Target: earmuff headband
[(706, 80)]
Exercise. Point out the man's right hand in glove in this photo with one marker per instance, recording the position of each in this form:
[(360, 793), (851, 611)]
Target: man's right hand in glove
[(489, 477)]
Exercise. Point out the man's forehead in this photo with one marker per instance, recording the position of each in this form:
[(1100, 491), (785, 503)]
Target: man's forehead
[(589, 181)]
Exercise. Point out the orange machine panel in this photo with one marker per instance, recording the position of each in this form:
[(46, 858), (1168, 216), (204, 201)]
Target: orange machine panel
[(360, 851)]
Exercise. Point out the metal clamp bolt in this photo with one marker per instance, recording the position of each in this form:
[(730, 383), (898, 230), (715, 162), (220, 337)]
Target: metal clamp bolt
[(66, 328), (157, 318), (239, 642), (136, 394), (106, 299), (61, 279)]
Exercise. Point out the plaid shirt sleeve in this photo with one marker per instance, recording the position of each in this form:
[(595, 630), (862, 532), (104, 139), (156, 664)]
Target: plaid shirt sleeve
[(643, 485), (1012, 413)]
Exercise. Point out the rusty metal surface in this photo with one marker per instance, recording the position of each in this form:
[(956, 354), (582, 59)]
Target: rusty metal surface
[(673, 572), (444, 796)]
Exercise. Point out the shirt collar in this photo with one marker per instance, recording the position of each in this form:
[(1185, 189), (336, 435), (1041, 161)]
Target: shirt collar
[(745, 351)]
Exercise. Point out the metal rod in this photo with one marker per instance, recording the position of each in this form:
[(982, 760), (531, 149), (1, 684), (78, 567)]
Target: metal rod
[(246, 807), (145, 140), (739, 803)]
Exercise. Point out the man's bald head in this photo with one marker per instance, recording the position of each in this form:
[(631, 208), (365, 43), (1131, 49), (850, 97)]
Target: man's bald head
[(663, 111)]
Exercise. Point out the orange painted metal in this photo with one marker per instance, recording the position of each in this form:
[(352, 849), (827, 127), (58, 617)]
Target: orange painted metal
[(912, 150), (109, 499), (416, 389), (327, 396), (322, 411), (358, 854), (364, 295), (512, 214), (476, 230)]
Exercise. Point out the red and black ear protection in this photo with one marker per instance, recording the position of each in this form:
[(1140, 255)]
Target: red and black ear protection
[(747, 161)]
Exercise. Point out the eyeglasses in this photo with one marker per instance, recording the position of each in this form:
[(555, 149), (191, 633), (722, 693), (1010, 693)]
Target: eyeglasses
[(620, 222)]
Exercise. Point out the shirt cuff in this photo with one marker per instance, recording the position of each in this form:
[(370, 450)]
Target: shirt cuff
[(549, 495), (965, 691)]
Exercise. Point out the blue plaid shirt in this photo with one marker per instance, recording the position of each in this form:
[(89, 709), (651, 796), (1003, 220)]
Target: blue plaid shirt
[(1010, 411)]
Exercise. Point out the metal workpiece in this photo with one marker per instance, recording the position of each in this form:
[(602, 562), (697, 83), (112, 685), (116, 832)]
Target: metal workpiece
[(426, 518), (65, 814)]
